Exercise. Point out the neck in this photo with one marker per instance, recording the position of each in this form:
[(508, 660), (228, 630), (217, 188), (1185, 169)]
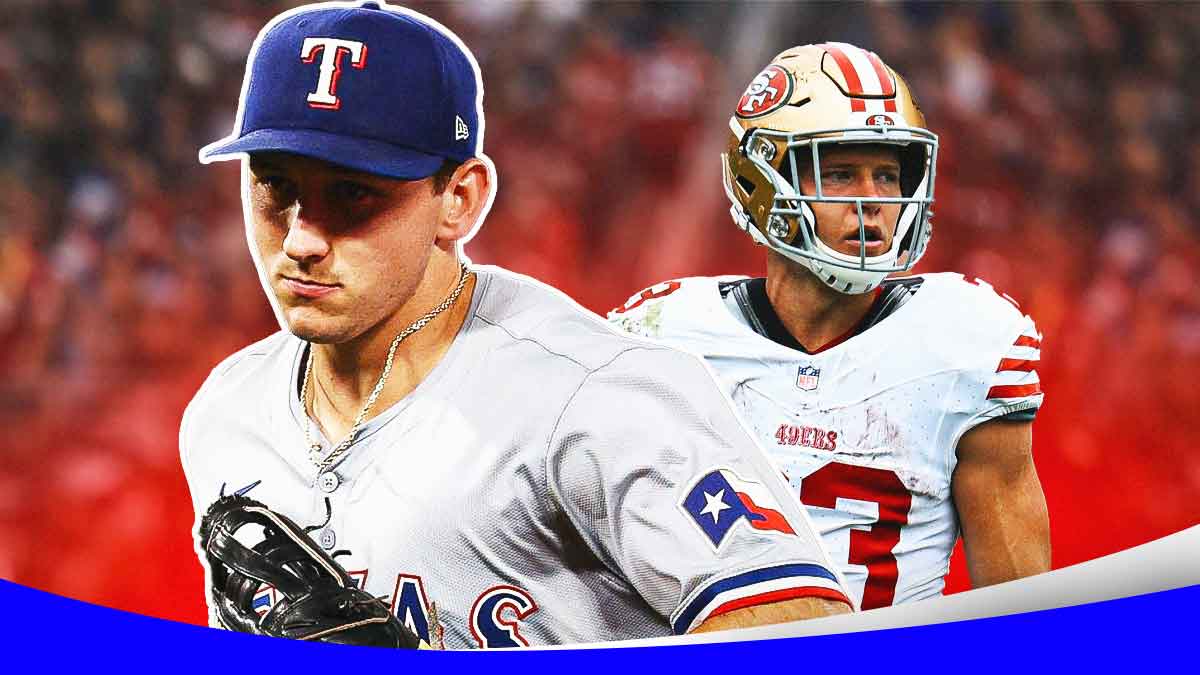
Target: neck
[(344, 374), (812, 312)]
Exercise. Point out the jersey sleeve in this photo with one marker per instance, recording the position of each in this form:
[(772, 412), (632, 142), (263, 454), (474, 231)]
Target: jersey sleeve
[(661, 480), (197, 467), (195, 421), (1014, 390), (1005, 383), (189, 472)]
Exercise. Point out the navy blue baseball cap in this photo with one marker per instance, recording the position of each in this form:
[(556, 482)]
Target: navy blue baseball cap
[(366, 86)]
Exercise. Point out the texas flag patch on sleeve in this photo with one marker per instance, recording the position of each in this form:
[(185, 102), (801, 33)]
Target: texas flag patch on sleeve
[(720, 500)]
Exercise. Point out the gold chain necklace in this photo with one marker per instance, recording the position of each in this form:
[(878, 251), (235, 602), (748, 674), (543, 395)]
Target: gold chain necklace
[(332, 457)]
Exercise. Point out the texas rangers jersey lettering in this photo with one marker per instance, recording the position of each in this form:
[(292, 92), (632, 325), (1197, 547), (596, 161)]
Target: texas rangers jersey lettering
[(411, 606), (866, 430), (534, 489)]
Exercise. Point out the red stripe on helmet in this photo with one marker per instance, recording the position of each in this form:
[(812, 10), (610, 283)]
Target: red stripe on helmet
[(853, 83), (888, 87)]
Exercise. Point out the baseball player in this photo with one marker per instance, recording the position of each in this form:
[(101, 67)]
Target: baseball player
[(497, 463), (900, 409)]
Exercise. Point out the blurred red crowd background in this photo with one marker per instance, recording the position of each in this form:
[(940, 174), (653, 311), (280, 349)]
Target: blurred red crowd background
[(1069, 178)]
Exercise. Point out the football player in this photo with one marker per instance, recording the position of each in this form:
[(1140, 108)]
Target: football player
[(494, 460), (900, 408)]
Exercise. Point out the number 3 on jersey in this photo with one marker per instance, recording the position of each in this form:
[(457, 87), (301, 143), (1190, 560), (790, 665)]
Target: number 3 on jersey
[(872, 548)]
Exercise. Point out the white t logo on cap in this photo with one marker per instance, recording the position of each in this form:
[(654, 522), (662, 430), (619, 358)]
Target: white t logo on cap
[(332, 50)]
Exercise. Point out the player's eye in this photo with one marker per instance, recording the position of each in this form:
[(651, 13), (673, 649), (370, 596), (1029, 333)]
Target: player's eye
[(353, 192), (835, 178), (888, 179), (278, 188)]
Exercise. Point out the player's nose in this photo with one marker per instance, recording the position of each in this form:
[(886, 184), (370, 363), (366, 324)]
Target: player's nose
[(306, 239), (870, 189)]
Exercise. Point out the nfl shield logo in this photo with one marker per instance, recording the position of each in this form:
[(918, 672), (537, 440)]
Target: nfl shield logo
[(807, 378)]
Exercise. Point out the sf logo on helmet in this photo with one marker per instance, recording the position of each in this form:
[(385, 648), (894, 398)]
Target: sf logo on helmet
[(767, 92), (880, 121)]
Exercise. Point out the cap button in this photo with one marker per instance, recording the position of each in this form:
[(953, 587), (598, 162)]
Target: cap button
[(370, 5)]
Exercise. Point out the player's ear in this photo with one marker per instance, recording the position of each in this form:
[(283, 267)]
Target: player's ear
[(465, 199)]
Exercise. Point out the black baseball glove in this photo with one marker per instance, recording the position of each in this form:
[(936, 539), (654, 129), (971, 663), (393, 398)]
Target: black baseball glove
[(316, 598)]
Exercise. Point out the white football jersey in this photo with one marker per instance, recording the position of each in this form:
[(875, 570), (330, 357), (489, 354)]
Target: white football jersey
[(865, 430), (550, 481)]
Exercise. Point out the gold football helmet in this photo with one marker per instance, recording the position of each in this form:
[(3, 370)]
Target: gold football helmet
[(807, 98)]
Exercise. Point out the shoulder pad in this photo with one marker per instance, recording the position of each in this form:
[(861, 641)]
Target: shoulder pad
[(979, 294)]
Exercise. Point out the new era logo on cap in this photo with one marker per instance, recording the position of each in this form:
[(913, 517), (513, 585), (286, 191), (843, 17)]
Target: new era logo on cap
[(366, 86)]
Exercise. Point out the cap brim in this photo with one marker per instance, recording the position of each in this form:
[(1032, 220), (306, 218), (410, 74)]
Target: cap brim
[(360, 154)]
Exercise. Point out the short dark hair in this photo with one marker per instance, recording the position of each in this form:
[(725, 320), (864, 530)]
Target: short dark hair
[(442, 177)]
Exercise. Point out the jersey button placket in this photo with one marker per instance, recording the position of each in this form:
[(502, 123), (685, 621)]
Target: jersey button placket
[(328, 539), (328, 482)]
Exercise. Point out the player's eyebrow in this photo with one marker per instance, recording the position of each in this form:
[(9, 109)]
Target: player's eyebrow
[(854, 164)]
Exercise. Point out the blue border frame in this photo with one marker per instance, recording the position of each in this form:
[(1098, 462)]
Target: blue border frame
[(57, 633)]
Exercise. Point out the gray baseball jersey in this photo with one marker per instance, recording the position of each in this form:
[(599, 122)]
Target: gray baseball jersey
[(550, 481)]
